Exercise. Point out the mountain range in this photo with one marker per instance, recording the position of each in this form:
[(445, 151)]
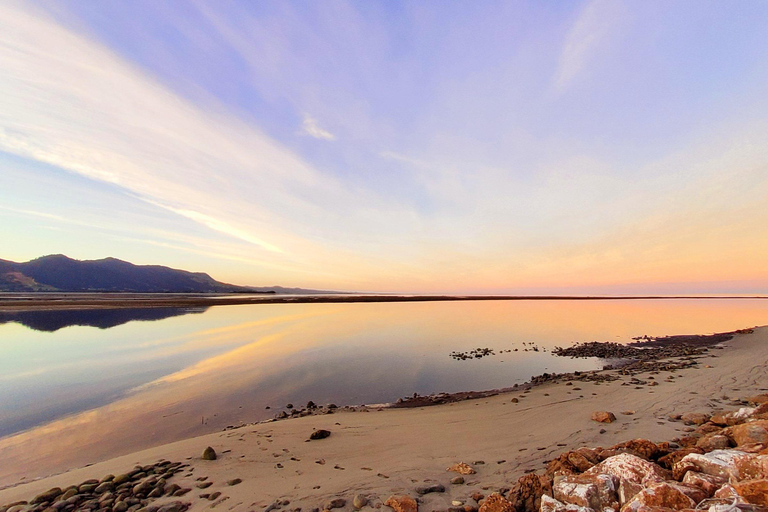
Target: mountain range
[(59, 273)]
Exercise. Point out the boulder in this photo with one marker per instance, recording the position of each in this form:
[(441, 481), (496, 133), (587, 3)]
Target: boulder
[(603, 417), (753, 491), (751, 467), (717, 463), (579, 461), (496, 503), (752, 432), (713, 441), (707, 483), (402, 503), (669, 460), (549, 504), (592, 491), (631, 468), (462, 468), (641, 447), (526, 494), (661, 494), (628, 490)]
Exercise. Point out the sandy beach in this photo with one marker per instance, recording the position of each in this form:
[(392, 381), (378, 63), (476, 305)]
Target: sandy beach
[(392, 451)]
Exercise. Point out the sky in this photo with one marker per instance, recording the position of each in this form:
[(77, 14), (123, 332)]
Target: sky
[(424, 147)]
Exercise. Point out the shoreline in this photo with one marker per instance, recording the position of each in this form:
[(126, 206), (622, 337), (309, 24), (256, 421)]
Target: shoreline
[(13, 301), (551, 396)]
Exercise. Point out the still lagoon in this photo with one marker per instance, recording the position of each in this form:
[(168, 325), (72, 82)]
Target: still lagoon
[(77, 387)]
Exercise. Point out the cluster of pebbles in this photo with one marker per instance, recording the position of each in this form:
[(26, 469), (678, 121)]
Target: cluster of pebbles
[(134, 491)]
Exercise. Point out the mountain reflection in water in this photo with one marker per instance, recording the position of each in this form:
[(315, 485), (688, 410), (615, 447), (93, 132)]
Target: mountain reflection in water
[(53, 320)]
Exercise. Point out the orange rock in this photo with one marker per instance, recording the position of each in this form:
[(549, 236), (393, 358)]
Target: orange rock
[(549, 504), (632, 468), (707, 483), (752, 432), (640, 447), (402, 503), (667, 461), (713, 441), (718, 463), (751, 467), (592, 491), (758, 399), (496, 503), (462, 468), (579, 461), (660, 494), (753, 491), (526, 494), (603, 417)]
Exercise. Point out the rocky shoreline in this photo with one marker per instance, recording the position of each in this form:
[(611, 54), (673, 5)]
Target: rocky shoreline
[(717, 461)]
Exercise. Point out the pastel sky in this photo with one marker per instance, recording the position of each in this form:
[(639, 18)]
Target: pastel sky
[(433, 146)]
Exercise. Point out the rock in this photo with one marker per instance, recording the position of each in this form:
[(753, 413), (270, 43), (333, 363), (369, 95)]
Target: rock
[(496, 503), (234, 481), (320, 434), (359, 501), (707, 483), (632, 468), (603, 417), (748, 433), (717, 463), (104, 487), (592, 491), (72, 491), (758, 399), (46, 496), (526, 494), (175, 506), (426, 489), (751, 467), (753, 491), (727, 492), (641, 447), (171, 489), (335, 503), (402, 503), (209, 454), (213, 496), (120, 506), (549, 504), (579, 461), (694, 418), (713, 441), (661, 494), (457, 480), (121, 479), (204, 485), (628, 490), (462, 468), (669, 460)]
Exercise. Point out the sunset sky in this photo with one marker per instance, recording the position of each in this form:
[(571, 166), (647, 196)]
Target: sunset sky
[(433, 146)]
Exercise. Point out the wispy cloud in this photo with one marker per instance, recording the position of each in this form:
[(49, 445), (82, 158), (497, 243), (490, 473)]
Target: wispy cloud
[(597, 20), (311, 127)]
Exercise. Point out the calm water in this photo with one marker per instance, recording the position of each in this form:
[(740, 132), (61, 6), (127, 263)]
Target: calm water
[(77, 387)]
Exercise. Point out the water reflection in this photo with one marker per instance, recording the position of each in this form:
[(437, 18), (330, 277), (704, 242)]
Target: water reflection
[(51, 321), (189, 375)]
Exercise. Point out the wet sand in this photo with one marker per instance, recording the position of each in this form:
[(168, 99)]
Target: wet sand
[(379, 453)]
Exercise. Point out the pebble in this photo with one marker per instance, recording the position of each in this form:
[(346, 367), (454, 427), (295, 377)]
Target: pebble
[(209, 454), (457, 480), (359, 501), (234, 481)]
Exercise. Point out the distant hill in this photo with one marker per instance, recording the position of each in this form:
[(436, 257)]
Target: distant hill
[(58, 273)]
